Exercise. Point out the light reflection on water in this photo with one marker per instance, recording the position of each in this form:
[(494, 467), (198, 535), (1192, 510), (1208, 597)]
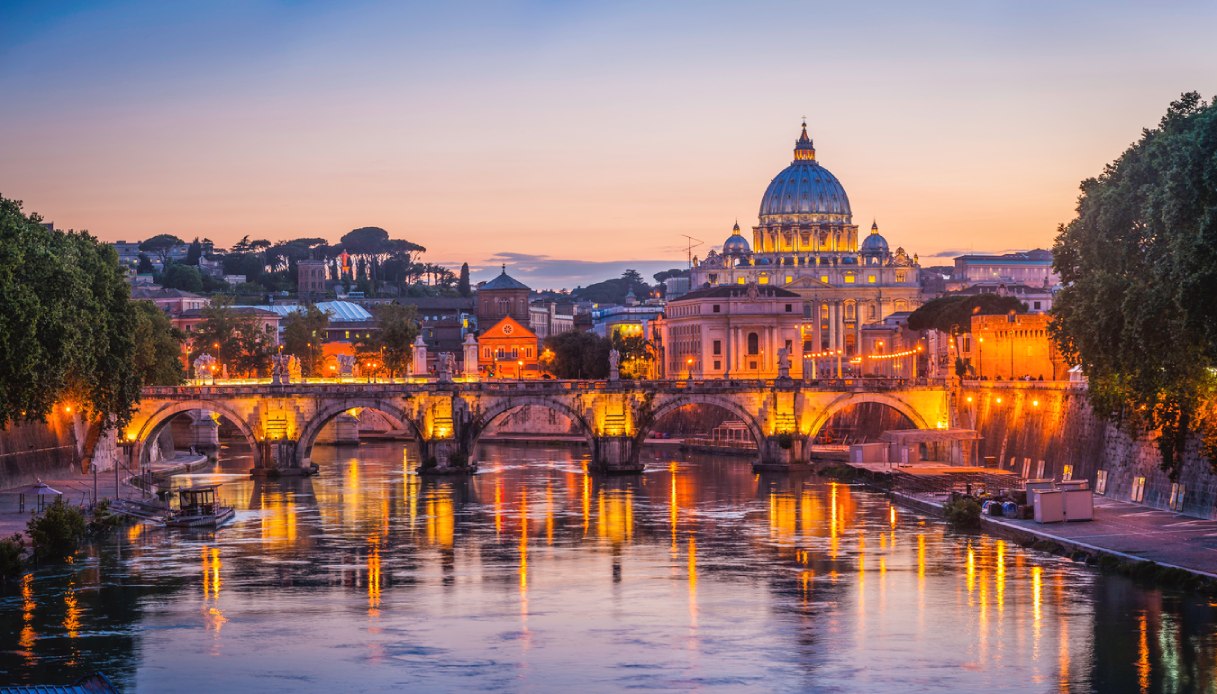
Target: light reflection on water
[(536, 575)]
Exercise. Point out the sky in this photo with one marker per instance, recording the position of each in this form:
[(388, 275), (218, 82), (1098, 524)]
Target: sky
[(572, 140)]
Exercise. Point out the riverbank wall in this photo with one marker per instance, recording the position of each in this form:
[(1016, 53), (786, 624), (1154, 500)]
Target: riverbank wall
[(1052, 422), (44, 449)]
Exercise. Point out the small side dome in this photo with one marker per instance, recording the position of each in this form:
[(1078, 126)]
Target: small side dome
[(874, 244), (736, 244)]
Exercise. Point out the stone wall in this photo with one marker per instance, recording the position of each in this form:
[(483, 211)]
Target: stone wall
[(38, 449), (1054, 423)]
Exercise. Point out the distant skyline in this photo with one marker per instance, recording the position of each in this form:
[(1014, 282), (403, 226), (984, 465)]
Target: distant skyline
[(569, 139)]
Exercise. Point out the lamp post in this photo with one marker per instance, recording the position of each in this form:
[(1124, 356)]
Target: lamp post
[(689, 364), (980, 356), (520, 370)]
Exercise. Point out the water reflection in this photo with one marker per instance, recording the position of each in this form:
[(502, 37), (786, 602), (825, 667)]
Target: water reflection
[(535, 574)]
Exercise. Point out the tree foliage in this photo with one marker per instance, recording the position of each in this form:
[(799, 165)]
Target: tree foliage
[(184, 277), (65, 323), (578, 354), (234, 338), (161, 246), (303, 335), (1139, 264), (462, 285), (56, 532), (953, 313), (615, 290), (393, 340), (158, 347)]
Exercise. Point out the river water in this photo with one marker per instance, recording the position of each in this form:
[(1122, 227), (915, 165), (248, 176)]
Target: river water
[(535, 576)]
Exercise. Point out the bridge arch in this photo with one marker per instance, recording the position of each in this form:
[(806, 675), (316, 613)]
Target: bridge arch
[(669, 405), (312, 428), (846, 400), (502, 406), (156, 421)]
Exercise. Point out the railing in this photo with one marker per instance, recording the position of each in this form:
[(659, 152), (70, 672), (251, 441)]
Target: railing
[(233, 387)]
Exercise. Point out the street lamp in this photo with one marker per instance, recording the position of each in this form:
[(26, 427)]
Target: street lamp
[(980, 356), (689, 363), (520, 370)]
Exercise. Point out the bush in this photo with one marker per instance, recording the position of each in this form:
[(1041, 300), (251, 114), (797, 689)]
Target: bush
[(962, 512), (57, 532), (11, 549), (786, 441), (102, 520)]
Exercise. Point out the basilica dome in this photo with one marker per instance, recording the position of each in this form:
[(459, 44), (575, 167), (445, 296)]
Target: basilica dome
[(805, 190)]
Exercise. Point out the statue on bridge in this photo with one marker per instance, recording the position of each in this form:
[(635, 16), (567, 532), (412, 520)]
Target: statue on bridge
[(294, 370), (204, 367), (279, 374), (614, 364), (445, 365), (783, 364)]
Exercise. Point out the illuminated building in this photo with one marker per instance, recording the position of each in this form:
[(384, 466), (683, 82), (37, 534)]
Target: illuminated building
[(732, 332), (502, 296), (508, 349), (1012, 347), (806, 242)]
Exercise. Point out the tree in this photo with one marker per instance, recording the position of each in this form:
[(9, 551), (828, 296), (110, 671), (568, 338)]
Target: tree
[(1139, 265), (614, 291), (144, 267), (161, 245), (65, 323), (304, 335), (194, 252), (234, 338), (637, 355), (462, 285), (953, 313), (184, 277), (393, 340), (158, 347), (578, 354)]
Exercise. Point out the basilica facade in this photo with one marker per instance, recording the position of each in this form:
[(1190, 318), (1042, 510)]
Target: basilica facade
[(805, 242)]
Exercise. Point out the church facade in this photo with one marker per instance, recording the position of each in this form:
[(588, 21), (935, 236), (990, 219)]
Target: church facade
[(805, 242)]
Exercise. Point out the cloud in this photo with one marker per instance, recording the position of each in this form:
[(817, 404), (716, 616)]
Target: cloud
[(547, 272)]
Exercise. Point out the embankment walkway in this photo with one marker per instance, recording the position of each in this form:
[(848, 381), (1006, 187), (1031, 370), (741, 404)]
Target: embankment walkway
[(1121, 529)]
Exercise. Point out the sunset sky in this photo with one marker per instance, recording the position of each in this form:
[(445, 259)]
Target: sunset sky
[(570, 139)]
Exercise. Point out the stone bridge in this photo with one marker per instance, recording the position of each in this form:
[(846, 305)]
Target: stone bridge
[(281, 422)]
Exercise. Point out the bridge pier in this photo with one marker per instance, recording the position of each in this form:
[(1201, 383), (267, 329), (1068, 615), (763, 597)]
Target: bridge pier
[(277, 458), (205, 431), (616, 455), (779, 453), (346, 430), (445, 457)]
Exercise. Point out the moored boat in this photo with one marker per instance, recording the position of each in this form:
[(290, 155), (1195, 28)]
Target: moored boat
[(199, 507)]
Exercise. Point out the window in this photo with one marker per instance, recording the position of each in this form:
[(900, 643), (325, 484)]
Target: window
[(789, 308), (740, 280), (789, 279), (900, 275), (824, 279), (718, 347), (717, 308), (849, 279), (754, 343), (1035, 305), (717, 365), (763, 279), (870, 279)]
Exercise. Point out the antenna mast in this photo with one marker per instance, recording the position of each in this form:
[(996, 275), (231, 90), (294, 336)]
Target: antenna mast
[(691, 246)]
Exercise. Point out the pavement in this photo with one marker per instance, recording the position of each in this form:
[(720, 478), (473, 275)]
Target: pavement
[(78, 490), (1135, 531), (1119, 528)]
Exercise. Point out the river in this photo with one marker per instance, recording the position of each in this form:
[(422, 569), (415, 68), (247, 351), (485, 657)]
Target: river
[(536, 576)]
